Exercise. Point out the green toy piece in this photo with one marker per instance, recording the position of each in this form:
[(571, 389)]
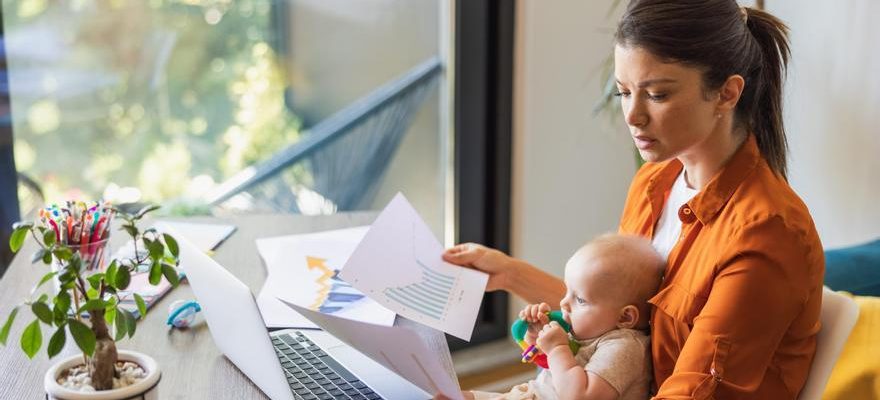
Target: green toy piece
[(530, 352)]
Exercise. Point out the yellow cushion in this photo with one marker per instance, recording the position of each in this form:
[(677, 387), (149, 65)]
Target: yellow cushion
[(856, 374)]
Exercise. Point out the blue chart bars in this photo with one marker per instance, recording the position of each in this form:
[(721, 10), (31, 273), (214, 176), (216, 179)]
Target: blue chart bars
[(341, 295), (428, 297)]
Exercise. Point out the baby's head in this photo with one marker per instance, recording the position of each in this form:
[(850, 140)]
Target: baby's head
[(609, 282)]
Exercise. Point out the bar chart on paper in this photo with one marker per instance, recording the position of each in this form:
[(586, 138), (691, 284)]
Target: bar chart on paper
[(428, 296), (399, 265)]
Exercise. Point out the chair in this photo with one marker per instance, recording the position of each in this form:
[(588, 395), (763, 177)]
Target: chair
[(344, 155), (838, 317)]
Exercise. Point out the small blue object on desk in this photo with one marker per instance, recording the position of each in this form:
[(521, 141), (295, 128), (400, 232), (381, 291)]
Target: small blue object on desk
[(182, 313)]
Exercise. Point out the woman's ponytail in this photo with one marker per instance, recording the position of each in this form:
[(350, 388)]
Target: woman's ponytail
[(765, 118)]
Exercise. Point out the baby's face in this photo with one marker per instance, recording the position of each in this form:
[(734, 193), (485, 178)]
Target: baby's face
[(584, 307)]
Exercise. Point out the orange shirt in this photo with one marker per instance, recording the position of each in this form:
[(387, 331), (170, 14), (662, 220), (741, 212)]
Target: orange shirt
[(738, 311)]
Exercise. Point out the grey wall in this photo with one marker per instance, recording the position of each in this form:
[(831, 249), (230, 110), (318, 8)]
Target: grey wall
[(833, 114), (571, 170)]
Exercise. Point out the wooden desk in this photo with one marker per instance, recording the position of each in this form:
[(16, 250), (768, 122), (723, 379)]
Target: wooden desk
[(192, 366)]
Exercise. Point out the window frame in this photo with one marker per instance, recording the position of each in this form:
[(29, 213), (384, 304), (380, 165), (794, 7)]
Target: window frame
[(9, 207), (483, 110)]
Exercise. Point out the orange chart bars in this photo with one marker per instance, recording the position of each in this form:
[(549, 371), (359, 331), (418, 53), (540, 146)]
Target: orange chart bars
[(333, 294)]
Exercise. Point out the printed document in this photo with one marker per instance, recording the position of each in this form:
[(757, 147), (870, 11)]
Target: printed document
[(398, 264)]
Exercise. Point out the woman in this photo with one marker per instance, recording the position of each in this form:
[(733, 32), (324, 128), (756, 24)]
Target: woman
[(700, 84)]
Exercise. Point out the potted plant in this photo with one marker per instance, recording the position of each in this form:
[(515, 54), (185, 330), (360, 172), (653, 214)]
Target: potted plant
[(88, 300)]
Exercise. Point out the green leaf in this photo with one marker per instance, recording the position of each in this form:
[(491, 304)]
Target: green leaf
[(4, 333), (94, 304), (110, 273), (156, 248), (42, 311), (110, 315), (62, 305), (121, 326), (170, 274), (142, 306), (84, 337), (44, 279), (145, 210), (32, 338), (123, 278), (63, 253), (131, 229), (125, 324), (155, 273), (130, 322), (172, 245), (47, 257), (59, 315), (111, 303), (43, 297), (49, 238), (62, 300), (56, 342), (91, 294), (17, 238), (95, 280), (38, 255)]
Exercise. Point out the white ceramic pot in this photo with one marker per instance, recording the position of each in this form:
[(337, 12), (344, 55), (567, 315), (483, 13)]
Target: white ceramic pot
[(145, 389)]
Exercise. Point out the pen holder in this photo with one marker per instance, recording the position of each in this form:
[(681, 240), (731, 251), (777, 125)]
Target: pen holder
[(531, 353), (92, 256)]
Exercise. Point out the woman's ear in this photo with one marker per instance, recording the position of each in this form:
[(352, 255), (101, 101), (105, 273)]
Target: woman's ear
[(730, 92), (629, 317)]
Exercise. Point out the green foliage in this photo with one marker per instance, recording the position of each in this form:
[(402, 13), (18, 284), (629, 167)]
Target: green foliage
[(4, 333), (56, 342), (17, 239), (42, 311), (142, 306), (212, 76), (97, 292), (32, 339), (82, 335)]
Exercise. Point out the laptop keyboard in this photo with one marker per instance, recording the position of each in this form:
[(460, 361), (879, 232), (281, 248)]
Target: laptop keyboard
[(313, 374)]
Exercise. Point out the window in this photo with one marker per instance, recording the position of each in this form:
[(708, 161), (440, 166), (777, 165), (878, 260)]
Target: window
[(308, 106), (165, 100)]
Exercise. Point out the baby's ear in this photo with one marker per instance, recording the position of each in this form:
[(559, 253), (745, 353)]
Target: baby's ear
[(629, 317)]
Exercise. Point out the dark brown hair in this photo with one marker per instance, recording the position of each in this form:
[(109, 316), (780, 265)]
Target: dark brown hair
[(722, 39)]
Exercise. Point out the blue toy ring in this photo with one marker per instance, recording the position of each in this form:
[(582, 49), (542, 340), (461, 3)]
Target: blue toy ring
[(182, 313)]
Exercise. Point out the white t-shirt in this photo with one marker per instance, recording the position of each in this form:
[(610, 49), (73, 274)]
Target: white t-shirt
[(621, 357), (669, 227)]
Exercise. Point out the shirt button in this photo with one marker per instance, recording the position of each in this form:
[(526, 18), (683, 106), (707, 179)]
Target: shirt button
[(686, 215)]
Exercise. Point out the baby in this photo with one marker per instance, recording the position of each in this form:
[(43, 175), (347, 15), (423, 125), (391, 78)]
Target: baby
[(609, 281)]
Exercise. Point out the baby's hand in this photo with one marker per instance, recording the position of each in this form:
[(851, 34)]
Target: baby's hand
[(536, 316), (551, 336)]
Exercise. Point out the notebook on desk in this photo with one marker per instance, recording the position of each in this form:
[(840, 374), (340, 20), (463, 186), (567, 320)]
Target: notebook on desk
[(286, 364)]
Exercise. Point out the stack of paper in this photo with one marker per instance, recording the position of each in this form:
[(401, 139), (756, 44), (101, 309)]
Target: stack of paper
[(303, 269)]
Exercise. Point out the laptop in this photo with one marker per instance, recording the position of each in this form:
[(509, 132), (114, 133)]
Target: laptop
[(284, 364)]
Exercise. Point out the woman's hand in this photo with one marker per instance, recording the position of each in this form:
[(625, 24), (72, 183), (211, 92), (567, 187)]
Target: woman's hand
[(493, 262), (551, 336), (536, 316)]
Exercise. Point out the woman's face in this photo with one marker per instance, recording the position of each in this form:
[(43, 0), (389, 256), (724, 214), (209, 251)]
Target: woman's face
[(663, 104)]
